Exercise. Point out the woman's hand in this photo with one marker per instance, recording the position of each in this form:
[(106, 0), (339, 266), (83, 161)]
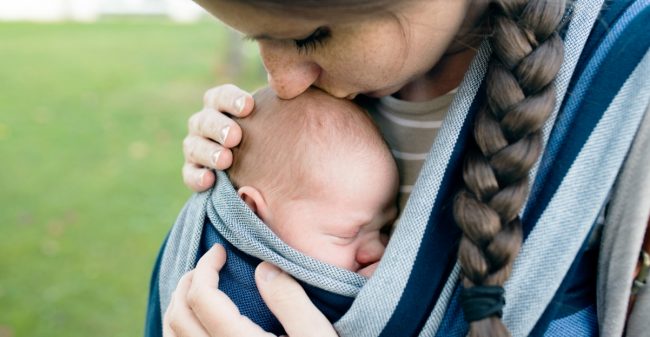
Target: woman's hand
[(199, 309), (212, 133)]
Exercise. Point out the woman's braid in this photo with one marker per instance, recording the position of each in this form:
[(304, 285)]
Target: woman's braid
[(527, 54)]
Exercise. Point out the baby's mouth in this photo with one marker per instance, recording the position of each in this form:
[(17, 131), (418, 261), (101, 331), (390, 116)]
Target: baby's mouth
[(368, 270)]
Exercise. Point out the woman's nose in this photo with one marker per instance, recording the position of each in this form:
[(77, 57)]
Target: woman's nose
[(289, 73)]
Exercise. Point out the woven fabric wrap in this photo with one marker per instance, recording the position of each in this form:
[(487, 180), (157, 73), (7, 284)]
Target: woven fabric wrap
[(242, 228), (235, 221), (559, 230)]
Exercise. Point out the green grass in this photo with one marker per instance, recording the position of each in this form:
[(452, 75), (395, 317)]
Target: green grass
[(91, 122)]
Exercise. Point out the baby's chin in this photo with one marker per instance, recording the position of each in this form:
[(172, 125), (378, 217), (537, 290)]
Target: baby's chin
[(368, 270)]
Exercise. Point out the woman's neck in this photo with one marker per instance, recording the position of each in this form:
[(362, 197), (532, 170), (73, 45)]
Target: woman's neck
[(444, 77), (450, 70)]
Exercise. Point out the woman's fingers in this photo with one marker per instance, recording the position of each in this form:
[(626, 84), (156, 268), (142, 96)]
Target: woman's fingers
[(212, 133), (230, 99), (212, 124), (289, 303), (197, 178), (216, 312), (179, 320), (206, 153)]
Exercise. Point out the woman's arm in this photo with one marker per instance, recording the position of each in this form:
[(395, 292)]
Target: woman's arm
[(212, 133), (198, 308)]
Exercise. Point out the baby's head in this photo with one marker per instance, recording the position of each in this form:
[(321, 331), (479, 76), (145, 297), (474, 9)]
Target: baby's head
[(316, 170)]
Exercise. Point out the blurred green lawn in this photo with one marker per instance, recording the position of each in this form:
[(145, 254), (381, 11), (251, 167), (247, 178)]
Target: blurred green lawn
[(91, 122)]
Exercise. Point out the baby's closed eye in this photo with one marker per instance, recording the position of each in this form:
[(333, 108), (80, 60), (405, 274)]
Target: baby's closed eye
[(345, 237)]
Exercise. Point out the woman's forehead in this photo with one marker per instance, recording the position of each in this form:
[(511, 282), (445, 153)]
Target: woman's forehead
[(281, 23), (262, 24)]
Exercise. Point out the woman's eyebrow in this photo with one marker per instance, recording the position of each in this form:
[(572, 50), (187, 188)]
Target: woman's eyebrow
[(267, 37), (258, 37)]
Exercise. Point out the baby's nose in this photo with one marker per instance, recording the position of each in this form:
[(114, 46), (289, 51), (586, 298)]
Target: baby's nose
[(370, 252)]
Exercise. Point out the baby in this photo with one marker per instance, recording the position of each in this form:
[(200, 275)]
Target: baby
[(316, 170)]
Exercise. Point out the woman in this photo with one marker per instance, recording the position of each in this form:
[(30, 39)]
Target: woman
[(418, 51)]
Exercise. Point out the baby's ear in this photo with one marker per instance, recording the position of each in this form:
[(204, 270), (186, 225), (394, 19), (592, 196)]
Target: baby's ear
[(255, 201)]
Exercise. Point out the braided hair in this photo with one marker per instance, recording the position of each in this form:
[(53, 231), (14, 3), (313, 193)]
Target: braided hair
[(507, 141)]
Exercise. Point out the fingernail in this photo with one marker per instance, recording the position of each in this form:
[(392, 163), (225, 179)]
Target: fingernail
[(215, 157), (268, 272), (224, 133), (200, 178), (239, 103)]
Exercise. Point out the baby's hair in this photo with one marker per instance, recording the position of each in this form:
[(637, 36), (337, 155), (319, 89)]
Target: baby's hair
[(288, 144)]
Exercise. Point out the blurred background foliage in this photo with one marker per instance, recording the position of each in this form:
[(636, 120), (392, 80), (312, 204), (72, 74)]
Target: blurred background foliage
[(92, 117)]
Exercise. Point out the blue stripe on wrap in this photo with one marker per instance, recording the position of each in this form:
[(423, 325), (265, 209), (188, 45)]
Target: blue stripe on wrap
[(611, 11), (577, 292), (237, 280), (582, 323), (573, 96), (595, 88), (610, 78), (437, 255), (602, 88), (153, 322), (453, 324)]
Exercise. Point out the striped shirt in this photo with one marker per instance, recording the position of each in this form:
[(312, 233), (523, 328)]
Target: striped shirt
[(410, 129)]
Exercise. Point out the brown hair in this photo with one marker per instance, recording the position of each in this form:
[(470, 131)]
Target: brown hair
[(289, 144), (527, 54), (316, 8)]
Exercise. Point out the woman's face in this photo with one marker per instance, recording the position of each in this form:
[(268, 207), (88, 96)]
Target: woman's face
[(375, 54)]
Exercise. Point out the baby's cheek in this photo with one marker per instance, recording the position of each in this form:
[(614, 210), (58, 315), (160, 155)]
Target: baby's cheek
[(324, 248), (342, 256)]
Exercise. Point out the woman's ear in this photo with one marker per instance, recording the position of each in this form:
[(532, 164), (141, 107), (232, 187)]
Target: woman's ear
[(255, 201)]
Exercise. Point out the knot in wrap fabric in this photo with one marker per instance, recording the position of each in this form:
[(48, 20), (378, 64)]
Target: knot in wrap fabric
[(480, 302)]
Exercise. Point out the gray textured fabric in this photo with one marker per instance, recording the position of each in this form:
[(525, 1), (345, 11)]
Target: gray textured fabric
[(376, 301), (181, 247), (242, 228), (583, 16), (623, 232), (639, 321), (563, 227)]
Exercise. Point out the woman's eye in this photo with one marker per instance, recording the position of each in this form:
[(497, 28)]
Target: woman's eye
[(317, 38)]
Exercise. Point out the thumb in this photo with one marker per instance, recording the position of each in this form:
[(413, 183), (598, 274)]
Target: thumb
[(290, 304)]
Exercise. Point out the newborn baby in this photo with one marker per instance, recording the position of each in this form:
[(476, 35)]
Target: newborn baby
[(316, 170)]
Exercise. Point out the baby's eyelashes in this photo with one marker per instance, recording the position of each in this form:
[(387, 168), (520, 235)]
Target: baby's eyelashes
[(345, 238)]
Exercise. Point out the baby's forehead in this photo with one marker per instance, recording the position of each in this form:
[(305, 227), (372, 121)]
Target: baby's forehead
[(313, 99), (304, 139)]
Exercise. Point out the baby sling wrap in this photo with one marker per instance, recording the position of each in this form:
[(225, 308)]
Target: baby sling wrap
[(603, 90)]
